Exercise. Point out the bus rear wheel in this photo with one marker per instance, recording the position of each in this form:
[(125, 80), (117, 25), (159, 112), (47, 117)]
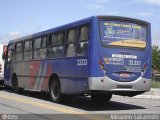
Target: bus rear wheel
[(55, 91), (98, 98)]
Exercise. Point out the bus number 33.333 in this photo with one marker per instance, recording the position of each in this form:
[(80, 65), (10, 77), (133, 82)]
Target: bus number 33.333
[(135, 62), (81, 62)]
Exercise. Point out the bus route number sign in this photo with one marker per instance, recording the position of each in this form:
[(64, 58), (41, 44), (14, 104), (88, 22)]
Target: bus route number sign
[(81, 62)]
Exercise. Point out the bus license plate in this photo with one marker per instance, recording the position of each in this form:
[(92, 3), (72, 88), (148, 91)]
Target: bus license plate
[(124, 75)]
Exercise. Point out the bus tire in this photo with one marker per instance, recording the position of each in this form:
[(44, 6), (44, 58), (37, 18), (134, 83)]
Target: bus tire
[(55, 90), (2, 83), (6, 87), (16, 89), (99, 98)]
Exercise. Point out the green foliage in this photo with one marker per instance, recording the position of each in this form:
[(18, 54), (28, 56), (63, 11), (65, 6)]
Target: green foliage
[(156, 57), (155, 84)]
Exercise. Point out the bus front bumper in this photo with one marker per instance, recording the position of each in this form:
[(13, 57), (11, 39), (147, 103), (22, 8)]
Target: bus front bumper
[(1, 77)]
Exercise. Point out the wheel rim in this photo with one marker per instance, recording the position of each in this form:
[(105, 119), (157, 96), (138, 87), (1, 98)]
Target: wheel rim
[(55, 89)]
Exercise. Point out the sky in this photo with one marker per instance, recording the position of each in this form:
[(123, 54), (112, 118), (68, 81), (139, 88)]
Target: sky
[(23, 17)]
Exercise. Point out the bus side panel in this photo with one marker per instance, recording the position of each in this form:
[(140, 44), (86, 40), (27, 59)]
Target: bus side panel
[(21, 69), (95, 70), (72, 75), (39, 70), (35, 75), (30, 74)]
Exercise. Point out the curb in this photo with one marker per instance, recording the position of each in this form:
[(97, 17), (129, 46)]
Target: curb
[(148, 96), (154, 93)]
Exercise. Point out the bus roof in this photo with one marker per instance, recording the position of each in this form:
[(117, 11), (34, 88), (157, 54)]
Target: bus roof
[(69, 25)]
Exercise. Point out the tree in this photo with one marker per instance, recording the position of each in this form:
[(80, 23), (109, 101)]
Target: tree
[(156, 57)]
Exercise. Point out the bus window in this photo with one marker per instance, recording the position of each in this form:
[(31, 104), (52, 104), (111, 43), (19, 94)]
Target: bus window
[(37, 43), (37, 46), (82, 46), (10, 52), (56, 52), (18, 53), (72, 36), (71, 50), (54, 38), (56, 48), (43, 50), (18, 47), (84, 33), (40, 49), (28, 50), (28, 45), (44, 42), (71, 46), (60, 39)]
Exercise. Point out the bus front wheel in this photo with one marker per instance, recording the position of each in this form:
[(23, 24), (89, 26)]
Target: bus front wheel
[(98, 98), (16, 89), (55, 90)]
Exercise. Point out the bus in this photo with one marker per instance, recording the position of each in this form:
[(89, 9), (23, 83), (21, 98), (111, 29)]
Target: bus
[(97, 56), (2, 50)]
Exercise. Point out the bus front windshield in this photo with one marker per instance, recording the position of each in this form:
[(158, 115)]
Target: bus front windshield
[(124, 34)]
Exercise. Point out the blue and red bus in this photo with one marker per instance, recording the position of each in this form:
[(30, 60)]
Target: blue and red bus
[(97, 56)]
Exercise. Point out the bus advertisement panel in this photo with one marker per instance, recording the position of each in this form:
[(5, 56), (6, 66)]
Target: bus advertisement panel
[(123, 34)]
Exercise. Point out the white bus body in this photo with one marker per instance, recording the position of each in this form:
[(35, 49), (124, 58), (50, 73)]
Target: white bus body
[(1, 65)]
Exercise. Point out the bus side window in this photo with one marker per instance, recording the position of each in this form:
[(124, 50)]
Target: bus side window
[(37, 46), (18, 53), (71, 43), (10, 53), (56, 47), (82, 46), (44, 42), (43, 50), (28, 50)]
